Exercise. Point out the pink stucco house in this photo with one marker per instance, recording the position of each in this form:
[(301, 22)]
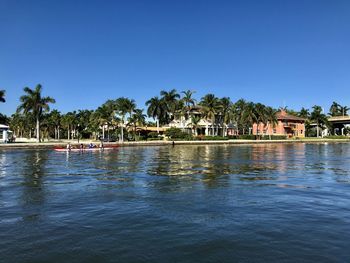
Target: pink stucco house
[(287, 124)]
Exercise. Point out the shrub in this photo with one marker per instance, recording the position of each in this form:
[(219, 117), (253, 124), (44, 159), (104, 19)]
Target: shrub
[(152, 135), (211, 138), (176, 133), (274, 137)]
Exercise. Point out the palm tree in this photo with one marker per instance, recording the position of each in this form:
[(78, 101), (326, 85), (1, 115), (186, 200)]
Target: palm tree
[(155, 109), (170, 99), (271, 118), (260, 114), (188, 100), (35, 103), (137, 118), (124, 106), (195, 119), (237, 114), (249, 115), (2, 95), (334, 110), (210, 107), (304, 113), (55, 120), (225, 107), (344, 110), (318, 117), (105, 116), (68, 122)]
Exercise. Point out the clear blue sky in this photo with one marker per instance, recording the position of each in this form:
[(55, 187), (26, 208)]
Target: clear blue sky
[(293, 52)]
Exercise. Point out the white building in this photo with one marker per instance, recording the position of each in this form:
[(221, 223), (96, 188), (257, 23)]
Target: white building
[(4, 133)]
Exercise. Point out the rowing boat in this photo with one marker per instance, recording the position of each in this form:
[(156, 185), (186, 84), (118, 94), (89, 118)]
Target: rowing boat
[(85, 149)]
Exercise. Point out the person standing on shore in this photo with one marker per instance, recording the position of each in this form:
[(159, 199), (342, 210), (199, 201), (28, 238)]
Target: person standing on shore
[(69, 147)]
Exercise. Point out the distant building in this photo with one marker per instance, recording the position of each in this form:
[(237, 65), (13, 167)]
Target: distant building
[(288, 125), (4, 133), (203, 127)]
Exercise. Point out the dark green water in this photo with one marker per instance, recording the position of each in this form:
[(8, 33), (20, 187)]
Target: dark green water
[(262, 203)]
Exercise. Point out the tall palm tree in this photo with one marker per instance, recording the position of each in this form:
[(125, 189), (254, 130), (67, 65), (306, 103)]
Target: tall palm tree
[(195, 119), (188, 99), (344, 110), (225, 107), (271, 118), (2, 96), (260, 114), (55, 120), (137, 118), (124, 106), (304, 113), (237, 114), (155, 109), (210, 107), (318, 117), (334, 110), (68, 121), (170, 99), (249, 115), (35, 103)]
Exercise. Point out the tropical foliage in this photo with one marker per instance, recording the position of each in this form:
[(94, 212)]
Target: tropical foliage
[(120, 118)]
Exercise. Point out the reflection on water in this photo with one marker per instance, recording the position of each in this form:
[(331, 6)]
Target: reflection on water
[(209, 203)]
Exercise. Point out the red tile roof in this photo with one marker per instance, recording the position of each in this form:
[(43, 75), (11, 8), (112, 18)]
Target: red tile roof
[(282, 115)]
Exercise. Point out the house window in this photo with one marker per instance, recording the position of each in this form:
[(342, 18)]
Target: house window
[(274, 130), (301, 131)]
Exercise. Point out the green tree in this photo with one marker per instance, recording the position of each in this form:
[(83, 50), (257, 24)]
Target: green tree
[(260, 114), (225, 117), (155, 109), (318, 117), (344, 110), (55, 121), (271, 118), (170, 99), (249, 115), (137, 119), (210, 108), (124, 106), (195, 119), (334, 110), (35, 103), (68, 121)]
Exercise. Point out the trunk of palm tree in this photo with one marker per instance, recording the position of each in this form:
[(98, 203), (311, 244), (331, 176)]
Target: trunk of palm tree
[(157, 125), (68, 133), (58, 132), (103, 131), (122, 130), (37, 130), (317, 130)]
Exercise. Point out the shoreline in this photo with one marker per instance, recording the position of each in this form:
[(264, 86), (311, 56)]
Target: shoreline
[(51, 145)]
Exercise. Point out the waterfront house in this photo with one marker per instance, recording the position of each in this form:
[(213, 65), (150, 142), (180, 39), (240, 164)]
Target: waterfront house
[(287, 125), (204, 126), (4, 133)]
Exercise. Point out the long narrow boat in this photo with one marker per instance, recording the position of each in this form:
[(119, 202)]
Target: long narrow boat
[(86, 149)]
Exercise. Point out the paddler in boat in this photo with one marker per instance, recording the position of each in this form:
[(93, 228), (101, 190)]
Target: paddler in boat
[(69, 147), (101, 145)]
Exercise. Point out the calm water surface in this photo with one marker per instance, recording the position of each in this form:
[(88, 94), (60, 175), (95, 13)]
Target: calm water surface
[(260, 203)]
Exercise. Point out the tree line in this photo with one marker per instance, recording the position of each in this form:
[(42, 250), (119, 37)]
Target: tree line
[(121, 117)]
